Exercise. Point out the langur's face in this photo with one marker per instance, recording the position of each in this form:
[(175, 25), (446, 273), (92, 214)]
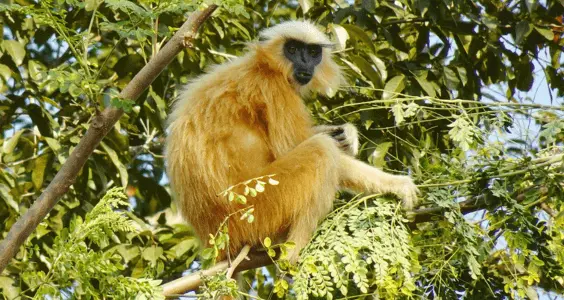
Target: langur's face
[(304, 58)]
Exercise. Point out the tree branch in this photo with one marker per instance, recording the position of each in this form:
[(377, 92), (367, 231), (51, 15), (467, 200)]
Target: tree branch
[(98, 129)]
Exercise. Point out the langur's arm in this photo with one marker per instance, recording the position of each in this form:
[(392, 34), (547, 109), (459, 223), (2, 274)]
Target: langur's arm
[(360, 177)]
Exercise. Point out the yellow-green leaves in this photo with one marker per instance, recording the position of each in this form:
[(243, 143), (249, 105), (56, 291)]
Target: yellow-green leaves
[(341, 36), (10, 144), (15, 49), (463, 132), (267, 242), (248, 190), (306, 5), (152, 254), (124, 176), (394, 86), (38, 173), (37, 71)]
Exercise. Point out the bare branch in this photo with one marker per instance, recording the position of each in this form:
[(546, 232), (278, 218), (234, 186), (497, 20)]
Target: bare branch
[(242, 255), (98, 129), (193, 281)]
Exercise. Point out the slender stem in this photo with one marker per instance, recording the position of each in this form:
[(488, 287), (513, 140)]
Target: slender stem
[(242, 255)]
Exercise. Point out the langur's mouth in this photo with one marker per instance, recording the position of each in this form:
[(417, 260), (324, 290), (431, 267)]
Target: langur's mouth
[(303, 77)]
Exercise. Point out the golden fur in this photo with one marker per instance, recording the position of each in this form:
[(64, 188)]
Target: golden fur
[(246, 119)]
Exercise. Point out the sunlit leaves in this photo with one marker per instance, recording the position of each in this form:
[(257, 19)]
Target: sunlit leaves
[(403, 111), (393, 86), (341, 36), (552, 130), (463, 133), (358, 244), (15, 49), (10, 144), (71, 263), (124, 176)]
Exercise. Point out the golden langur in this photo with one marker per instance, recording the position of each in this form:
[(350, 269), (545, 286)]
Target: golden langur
[(245, 119)]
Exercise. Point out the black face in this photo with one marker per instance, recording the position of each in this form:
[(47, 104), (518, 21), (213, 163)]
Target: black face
[(304, 57)]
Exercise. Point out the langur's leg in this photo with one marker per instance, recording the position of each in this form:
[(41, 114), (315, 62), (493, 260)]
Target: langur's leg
[(308, 183), (360, 177)]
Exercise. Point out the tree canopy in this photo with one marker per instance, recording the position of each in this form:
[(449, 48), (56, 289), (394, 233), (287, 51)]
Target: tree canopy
[(467, 97)]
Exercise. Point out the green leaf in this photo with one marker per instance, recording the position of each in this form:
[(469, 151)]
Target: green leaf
[(241, 199), (242, 28), (380, 66), (547, 33), (522, 31), (426, 85), (531, 5), (53, 144), (524, 74), (377, 158), (341, 35), (463, 133), (359, 34), (128, 252), (532, 293), (451, 80), (354, 68), (369, 71), (5, 72), (9, 288), (394, 85), (90, 5), (551, 130), (38, 172), (36, 70), (184, 246), (11, 143), (306, 5), (152, 254), (8, 199), (15, 49), (267, 242), (124, 176), (462, 75), (250, 218), (75, 90), (42, 119), (397, 110), (271, 252)]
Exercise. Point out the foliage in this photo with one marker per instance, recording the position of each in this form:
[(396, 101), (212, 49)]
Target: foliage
[(442, 90), (74, 268), (363, 245)]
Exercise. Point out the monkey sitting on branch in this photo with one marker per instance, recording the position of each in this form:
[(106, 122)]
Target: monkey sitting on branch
[(245, 119)]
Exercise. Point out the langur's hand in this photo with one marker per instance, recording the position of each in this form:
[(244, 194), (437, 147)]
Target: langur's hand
[(345, 135), (406, 190)]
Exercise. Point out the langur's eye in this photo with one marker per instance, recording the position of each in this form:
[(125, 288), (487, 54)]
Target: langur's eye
[(292, 49), (314, 51)]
